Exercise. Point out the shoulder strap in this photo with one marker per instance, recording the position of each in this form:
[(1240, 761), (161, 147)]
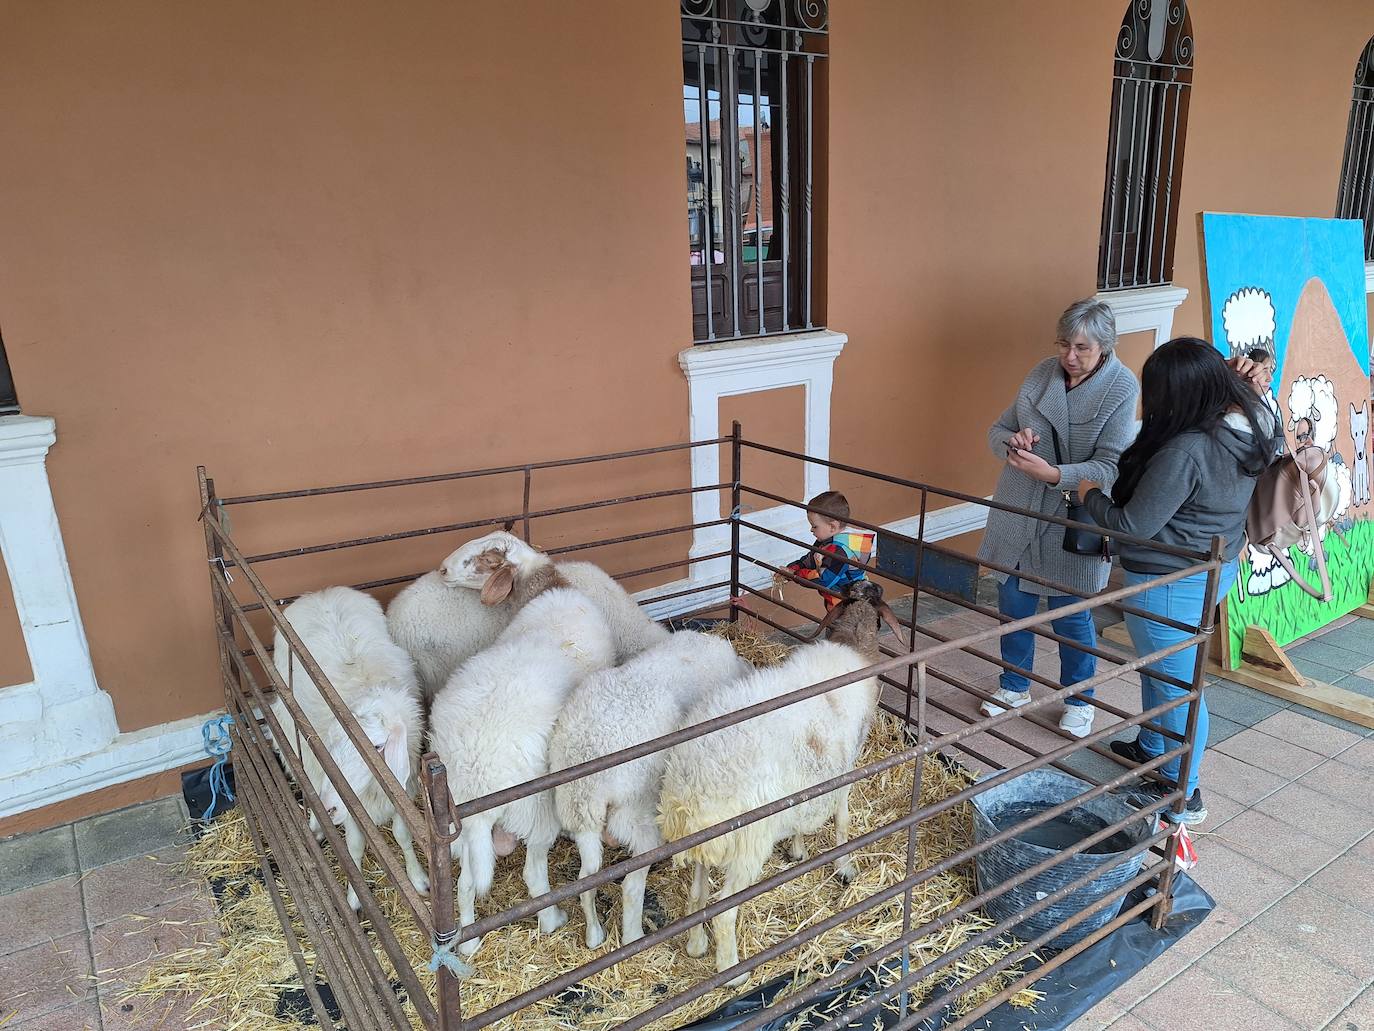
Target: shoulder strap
[(1058, 454)]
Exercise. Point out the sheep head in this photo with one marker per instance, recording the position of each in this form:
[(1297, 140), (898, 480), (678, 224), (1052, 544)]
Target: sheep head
[(491, 565), (856, 620)]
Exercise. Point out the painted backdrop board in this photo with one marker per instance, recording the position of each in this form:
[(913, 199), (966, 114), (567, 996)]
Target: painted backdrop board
[(1296, 287)]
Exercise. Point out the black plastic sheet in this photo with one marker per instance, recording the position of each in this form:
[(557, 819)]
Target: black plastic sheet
[(1070, 990)]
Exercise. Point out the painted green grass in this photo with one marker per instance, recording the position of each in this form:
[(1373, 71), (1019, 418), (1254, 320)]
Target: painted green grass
[(1289, 612)]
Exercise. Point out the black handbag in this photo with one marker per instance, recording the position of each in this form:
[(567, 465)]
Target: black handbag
[(1079, 541)]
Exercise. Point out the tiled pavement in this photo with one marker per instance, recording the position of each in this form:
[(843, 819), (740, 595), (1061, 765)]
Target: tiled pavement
[(1288, 853), (84, 909)]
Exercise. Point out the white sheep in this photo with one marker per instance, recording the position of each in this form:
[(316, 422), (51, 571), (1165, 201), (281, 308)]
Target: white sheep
[(716, 777), (1248, 318), (1314, 398), (345, 632), (614, 709), (491, 724), (442, 620)]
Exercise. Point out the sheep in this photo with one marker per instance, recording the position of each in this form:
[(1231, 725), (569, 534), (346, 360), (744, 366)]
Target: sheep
[(1248, 318), (441, 624), (728, 772), (491, 722), (656, 687), (1314, 399), (345, 632)]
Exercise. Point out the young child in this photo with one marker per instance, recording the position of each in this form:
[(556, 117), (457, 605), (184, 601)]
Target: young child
[(835, 544)]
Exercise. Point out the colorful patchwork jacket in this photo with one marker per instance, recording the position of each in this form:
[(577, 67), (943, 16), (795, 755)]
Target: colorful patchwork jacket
[(827, 569)]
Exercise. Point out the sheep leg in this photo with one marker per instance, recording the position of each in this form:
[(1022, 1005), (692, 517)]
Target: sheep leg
[(467, 908), (418, 877), (696, 901), (551, 918), (643, 837), (353, 838), (589, 848), (797, 851), (845, 868), (727, 947)]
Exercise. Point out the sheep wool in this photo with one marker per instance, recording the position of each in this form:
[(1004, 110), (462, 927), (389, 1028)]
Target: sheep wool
[(491, 725), (731, 771), (345, 632), (656, 686), (441, 621)]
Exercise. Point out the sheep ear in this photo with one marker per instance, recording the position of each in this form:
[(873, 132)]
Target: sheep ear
[(396, 753), (498, 586)]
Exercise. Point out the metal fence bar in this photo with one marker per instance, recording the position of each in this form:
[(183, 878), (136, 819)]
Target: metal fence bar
[(953, 495), (555, 896), (314, 886), (708, 257), (505, 796), (447, 996), (798, 999), (468, 474), (269, 880), (809, 274), (335, 961), (525, 516), (386, 780), (675, 927), (292, 764)]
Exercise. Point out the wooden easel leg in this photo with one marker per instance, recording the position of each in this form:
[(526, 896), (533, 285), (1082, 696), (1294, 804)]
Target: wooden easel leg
[(1264, 667)]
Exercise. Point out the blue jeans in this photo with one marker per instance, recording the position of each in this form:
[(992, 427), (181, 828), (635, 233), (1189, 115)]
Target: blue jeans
[(1182, 601), (1018, 649)]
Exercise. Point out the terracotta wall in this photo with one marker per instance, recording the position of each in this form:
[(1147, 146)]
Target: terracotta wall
[(324, 242), (967, 162), (319, 242)]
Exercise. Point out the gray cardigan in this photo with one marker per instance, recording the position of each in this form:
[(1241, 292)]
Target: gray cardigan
[(1096, 422)]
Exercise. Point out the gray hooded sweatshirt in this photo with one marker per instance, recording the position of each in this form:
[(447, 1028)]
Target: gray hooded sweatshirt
[(1194, 487)]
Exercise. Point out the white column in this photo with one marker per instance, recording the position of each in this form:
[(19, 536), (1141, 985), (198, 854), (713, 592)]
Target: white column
[(1146, 309), (732, 368), (63, 713)]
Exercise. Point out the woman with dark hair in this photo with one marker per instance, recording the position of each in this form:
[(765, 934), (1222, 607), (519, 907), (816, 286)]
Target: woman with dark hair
[(1188, 477)]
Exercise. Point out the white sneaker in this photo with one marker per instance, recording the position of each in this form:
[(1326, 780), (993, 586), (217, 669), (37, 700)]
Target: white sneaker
[(1077, 720), (1009, 700)]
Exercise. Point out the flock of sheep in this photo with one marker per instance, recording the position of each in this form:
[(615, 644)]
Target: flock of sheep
[(527, 667)]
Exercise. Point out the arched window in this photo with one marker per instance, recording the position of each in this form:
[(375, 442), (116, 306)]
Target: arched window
[(1353, 197), (1150, 87), (753, 73)]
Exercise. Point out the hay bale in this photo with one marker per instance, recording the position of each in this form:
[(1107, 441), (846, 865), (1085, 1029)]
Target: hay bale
[(755, 648), (244, 973)]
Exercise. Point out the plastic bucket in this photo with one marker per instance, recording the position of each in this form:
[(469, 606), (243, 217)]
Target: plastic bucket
[(1023, 797)]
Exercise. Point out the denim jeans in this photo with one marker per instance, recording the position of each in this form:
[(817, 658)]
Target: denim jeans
[(1182, 601), (1018, 649)]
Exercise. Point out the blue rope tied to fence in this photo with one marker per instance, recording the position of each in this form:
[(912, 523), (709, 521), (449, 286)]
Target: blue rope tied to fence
[(443, 956), (215, 734)]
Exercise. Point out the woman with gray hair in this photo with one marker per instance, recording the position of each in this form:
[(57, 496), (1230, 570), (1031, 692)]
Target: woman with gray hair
[(1071, 419)]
